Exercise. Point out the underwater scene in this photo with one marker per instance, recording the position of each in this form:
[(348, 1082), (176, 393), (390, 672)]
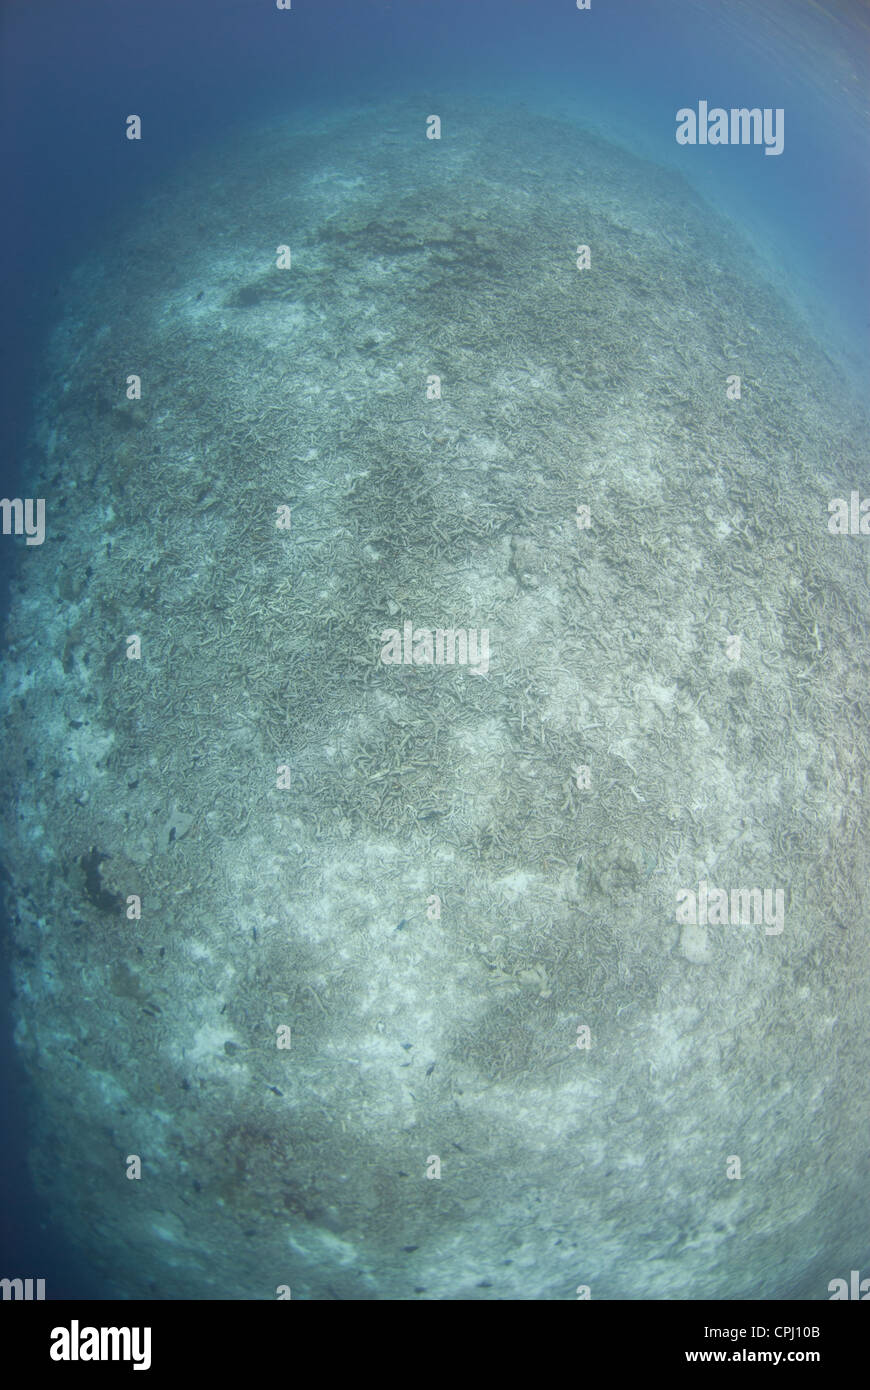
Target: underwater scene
[(435, 710)]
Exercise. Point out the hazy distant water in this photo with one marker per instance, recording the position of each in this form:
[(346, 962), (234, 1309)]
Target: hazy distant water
[(179, 275)]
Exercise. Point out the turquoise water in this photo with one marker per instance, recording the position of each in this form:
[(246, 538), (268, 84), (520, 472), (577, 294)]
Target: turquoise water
[(380, 966)]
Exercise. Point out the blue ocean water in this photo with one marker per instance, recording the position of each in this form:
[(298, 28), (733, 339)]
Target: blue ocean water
[(200, 72)]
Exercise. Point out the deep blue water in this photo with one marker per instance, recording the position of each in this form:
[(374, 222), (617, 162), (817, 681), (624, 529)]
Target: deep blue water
[(197, 69)]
